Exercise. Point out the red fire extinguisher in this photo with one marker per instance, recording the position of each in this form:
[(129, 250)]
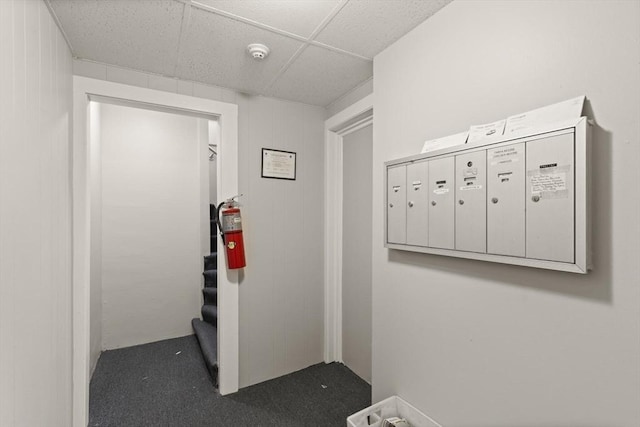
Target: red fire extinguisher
[(230, 224)]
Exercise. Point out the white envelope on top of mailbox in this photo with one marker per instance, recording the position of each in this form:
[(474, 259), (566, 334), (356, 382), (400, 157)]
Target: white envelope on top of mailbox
[(565, 110), (488, 130), (445, 142)]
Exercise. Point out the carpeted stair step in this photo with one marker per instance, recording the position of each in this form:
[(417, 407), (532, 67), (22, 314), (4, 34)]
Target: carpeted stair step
[(210, 314), (211, 261), (210, 295), (210, 278), (208, 338)]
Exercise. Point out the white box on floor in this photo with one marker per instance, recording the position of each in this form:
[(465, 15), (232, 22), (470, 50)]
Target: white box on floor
[(393, 406)]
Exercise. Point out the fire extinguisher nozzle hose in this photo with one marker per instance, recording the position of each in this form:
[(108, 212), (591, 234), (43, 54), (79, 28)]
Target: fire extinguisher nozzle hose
[(217, 220)]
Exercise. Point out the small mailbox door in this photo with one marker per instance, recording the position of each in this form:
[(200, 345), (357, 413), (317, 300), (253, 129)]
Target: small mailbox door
[(417, 204), (505, 200), (471, 202), (550, 198), (441, 197), (396, 204)]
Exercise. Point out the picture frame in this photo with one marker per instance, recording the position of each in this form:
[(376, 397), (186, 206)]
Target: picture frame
[(278, 164)]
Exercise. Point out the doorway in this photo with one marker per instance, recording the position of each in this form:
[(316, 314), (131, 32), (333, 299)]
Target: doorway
[(357, 195), (351, 119), (149, 174), (87, 90)]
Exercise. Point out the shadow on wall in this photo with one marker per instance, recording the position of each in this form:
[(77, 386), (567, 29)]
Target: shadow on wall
[(596, 285)]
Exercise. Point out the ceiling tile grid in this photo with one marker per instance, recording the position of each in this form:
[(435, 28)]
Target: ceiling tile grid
[(319, 76), (366, 27), (320, 49), (300, 17), (214, 52), (141, 35)]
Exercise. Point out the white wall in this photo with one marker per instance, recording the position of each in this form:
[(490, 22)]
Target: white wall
[(95, 291), (213, 173), (487, 344), (206, 129), (35, 218), (281, 290), (214, 138), (281, 295), (356, 251), (151, 255)]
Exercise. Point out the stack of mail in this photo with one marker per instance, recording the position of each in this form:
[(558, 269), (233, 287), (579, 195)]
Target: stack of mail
[(395, 422)]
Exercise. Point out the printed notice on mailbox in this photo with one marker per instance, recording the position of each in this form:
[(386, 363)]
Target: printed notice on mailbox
[(550, 182), (508, 154)]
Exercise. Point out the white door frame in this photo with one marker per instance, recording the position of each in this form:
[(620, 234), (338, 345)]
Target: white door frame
[(228, 330), (336, 127)]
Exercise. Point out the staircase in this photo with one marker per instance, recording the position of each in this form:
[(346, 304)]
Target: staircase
[(207, 329)]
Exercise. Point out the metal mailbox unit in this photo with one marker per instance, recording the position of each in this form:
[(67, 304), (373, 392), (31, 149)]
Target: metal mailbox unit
[(520, 199)]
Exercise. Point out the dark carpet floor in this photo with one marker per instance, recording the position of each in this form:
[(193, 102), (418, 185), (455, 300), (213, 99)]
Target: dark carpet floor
[(167, 384)]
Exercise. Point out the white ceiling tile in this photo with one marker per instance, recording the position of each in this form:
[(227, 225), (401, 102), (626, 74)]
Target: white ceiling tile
[(367, 27), (214, 52), (146, 35), (299, 17), (319, 76), (136, 34)]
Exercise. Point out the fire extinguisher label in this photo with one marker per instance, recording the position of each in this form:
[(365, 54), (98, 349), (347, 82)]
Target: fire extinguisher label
[(231, 223), (231, 245)]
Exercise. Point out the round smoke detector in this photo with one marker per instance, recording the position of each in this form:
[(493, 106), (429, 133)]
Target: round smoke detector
[(258, 51)]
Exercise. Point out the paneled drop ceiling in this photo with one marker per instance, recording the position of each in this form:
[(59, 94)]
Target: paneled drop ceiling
[(320, 49)]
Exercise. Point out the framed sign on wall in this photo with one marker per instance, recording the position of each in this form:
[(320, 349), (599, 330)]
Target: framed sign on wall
[(278, 164)]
